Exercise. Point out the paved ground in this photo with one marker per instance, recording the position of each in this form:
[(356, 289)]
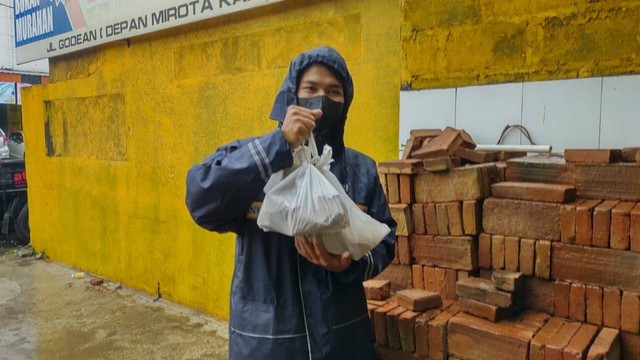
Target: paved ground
[(45, 314)]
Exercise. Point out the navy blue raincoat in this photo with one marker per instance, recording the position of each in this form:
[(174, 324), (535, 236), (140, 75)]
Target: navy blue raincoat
[(283, 306)]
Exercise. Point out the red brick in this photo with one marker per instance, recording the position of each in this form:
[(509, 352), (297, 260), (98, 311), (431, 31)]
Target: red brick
[(527, 257), (594, 305), (486, 311), (555, 347), (418, 300), (474, 156), (620, 225), (482, 290), (543, 169), (459, 184), (568, 222), (442, 145), (605, 346), (383, 183), (635, 229), (470, 337), (411, 145), (438, 164), (417, 276), (443, 218), (406, 189), (602, 223), (584, 222), (401, 213), (507, 281), (418, 219), (544, 337), (393, 330), (438, 334), (497, 252), (380, 322), (562, 292), (593, 156), (453, 252), (596, 266), (454, 216), (579, 344), (451, 277), (405, 166), (425, 133), (630, 312), (393, 188), (511, 253), (577, 302), (534, 191), (377, 289), (522, 214), (406, 327), (471, 217), (629, 154), (508, 155), (422, 331), (611, 301), (429, 276), (404, 250), (431, 219), (543, 259), (398, 275), (484, 251), (439, 275), (619, 181)]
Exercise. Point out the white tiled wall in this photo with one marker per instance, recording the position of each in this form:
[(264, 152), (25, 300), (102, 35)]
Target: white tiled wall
[(578, 113)]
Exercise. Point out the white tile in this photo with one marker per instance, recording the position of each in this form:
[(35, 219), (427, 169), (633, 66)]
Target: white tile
[(563, 114), (484, 111), (620, 112), (425, 109)]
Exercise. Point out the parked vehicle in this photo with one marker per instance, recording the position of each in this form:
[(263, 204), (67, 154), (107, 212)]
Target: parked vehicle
[(16, 145), (4, 148), (13, 197)]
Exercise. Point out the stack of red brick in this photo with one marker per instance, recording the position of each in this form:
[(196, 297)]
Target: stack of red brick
[(545, 254)]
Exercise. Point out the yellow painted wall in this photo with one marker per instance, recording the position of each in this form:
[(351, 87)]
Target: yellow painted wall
[(449, 43), (110, 139)]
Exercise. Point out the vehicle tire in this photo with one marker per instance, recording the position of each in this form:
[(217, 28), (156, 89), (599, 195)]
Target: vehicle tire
[(22, 225)]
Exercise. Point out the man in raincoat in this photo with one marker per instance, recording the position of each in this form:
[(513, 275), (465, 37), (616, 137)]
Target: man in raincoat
[(290, 299)]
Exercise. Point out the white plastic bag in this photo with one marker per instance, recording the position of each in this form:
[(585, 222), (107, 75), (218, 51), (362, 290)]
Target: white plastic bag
[(363, 233), (303, 201)]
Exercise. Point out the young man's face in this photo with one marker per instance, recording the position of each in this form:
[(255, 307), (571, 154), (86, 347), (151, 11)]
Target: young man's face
[(317, 80)]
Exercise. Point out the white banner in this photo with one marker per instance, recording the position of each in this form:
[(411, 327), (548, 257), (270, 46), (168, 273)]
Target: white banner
[(47, 28)]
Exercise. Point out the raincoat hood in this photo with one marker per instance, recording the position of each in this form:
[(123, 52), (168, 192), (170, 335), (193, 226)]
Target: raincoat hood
[(287, 94)]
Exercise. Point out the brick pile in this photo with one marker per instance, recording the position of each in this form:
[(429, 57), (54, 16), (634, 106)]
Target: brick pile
[(534, 258)]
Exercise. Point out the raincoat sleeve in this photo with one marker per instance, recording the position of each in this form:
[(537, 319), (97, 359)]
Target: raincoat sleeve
[(221, 189), (381, 256)]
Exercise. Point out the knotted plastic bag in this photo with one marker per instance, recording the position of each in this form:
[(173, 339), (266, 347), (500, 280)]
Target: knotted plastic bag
[(363, 233), (301, 200)]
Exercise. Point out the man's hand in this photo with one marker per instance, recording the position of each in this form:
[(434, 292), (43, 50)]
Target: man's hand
[(298, 124), (315, 252)]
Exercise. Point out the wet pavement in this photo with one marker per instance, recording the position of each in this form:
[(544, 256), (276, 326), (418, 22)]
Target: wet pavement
[(47, 314)]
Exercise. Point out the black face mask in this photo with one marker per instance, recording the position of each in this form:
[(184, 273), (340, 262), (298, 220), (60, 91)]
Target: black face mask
[(331, 112)]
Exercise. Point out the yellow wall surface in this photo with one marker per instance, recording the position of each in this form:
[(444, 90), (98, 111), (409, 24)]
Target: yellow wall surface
[(449, 43), (110, 139)]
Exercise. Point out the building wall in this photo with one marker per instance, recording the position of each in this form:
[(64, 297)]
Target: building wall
[(111, 137), (452, 43)]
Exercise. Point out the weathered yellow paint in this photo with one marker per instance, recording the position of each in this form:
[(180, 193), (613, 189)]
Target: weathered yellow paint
[(449, 43), (125, 121)]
